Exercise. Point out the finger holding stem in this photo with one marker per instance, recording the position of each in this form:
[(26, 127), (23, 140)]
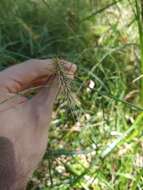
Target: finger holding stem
[(43, 102)]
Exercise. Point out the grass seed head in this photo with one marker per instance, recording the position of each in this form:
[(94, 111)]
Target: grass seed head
[(66, 86)]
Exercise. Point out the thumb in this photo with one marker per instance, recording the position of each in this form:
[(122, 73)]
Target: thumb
[(42, 103)]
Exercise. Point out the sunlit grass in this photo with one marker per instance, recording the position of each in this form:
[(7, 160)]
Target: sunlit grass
[(101, 148)]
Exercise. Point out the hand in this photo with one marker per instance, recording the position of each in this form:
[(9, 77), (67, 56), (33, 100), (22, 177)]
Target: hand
[(24, 123)]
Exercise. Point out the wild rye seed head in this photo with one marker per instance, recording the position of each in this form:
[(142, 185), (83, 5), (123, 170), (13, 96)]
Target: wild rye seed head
[(65, 84)]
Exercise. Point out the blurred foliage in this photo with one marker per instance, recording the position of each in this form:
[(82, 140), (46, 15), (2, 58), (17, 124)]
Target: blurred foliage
[(102, 148)]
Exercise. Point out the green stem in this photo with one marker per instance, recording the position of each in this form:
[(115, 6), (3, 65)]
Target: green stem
[(139, 18)]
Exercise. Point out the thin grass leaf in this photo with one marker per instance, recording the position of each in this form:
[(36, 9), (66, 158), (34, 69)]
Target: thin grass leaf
[(134, 130)]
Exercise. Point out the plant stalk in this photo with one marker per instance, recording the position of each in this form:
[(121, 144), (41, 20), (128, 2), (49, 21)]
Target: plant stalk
[(139, 18)]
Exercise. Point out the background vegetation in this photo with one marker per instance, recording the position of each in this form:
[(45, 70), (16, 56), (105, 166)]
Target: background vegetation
[(100, 147)]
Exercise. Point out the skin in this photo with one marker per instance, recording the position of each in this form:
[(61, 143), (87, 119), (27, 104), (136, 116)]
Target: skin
[(24, 123)]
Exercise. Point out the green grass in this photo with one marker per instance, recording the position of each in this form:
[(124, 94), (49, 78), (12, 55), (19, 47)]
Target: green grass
[(138, 12), (101, 148)]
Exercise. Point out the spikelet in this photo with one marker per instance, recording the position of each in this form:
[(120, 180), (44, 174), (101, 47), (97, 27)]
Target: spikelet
[(65, 83)]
